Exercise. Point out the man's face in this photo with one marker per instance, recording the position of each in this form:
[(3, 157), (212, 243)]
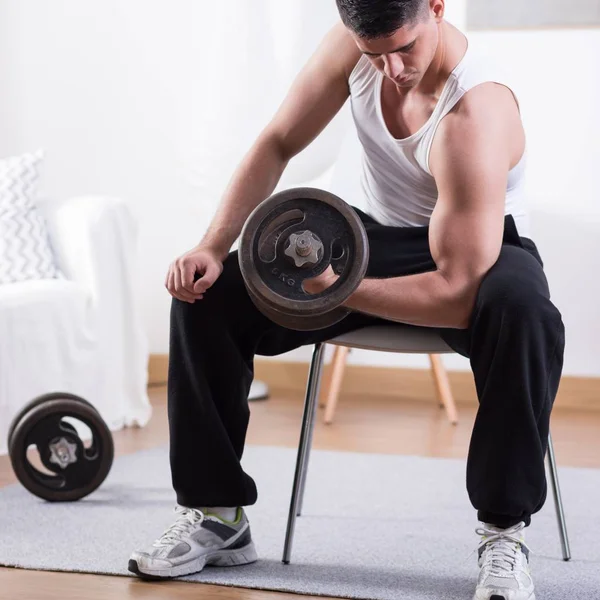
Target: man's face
[(404, 57)]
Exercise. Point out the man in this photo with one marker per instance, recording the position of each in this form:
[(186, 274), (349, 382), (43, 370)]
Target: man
[(442, 175)]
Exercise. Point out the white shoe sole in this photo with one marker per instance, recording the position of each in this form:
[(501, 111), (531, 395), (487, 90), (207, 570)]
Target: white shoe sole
[(220, 558)]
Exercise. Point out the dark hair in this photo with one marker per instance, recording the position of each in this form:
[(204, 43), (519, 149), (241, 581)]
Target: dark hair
[(373, 19)]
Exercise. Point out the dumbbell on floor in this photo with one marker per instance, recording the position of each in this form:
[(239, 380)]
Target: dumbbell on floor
[(74, 470)]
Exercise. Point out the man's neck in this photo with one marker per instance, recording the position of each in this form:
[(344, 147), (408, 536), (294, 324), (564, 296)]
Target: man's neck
[(450, 50)]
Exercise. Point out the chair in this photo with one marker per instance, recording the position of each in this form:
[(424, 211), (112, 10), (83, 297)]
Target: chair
[(384, 338), (338, 366)]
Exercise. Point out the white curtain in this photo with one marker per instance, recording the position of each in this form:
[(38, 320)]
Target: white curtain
[(224, 69), (155, 102)]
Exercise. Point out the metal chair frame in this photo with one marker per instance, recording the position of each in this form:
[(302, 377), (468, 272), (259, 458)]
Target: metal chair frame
[(306, 436)]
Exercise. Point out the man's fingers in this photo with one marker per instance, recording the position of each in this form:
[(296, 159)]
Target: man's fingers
[(180, 292), (181, 278), (207, 280), (188, 270), (170, 283)]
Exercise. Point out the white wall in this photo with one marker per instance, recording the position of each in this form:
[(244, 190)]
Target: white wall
[(157, 102)]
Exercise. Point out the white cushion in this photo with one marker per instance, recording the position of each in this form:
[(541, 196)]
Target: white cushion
[(25, 249), (37, 293)]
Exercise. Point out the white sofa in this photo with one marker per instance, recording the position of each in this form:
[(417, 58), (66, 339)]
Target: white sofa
[(82, 334)]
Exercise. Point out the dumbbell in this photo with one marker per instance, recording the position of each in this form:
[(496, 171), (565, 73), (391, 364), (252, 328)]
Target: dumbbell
[(74, 470), (293, 236)]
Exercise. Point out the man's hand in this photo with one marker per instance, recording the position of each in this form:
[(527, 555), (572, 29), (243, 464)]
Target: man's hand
[(182, 273), (319, 284)]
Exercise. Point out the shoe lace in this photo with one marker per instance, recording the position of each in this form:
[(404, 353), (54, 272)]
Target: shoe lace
[(187, 518), (502, 549)]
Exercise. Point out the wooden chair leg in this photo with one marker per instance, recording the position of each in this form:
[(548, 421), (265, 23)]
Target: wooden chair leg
[(328, 378), (442, 386), (338, 364)]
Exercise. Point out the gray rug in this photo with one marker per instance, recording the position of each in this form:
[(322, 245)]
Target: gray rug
[(375, 526)]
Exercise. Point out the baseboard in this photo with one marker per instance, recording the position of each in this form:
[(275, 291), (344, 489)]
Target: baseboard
[(581, 393), (412, 384), (158, 369)]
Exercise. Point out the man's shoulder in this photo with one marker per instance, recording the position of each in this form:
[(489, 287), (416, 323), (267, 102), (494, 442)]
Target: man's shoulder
[(488, 99), (345, 52), (485, 121)]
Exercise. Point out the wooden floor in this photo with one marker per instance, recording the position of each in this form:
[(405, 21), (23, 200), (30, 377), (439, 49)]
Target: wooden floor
[(372, 424)]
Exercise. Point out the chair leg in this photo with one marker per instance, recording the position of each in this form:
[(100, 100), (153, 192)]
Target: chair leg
[(442, 386), (560, 513), (314, 389), (308, 421), (338, 365)]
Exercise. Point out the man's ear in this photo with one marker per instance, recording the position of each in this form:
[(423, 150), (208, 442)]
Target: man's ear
[(438, 8)]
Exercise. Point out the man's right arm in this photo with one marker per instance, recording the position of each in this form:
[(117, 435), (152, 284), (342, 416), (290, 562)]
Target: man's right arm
[(316, 96)]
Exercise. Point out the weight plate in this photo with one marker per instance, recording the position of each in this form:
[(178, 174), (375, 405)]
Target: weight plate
[(274, 280), (300, 323), (40, 400), (76, 471)]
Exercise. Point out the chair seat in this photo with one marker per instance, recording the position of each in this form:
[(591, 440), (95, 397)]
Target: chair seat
[(395, 337)]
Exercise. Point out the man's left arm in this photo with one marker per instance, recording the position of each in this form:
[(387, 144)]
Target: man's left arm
[(470, 160)]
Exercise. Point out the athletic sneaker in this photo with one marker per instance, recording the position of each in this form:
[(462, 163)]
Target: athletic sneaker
[(504, 562), (196, 539)]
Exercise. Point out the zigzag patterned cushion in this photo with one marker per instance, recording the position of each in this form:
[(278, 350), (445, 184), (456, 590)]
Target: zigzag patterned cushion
[(25, 250)]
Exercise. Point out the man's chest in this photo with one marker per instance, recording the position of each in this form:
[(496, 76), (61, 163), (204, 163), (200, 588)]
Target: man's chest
[(405, 116)]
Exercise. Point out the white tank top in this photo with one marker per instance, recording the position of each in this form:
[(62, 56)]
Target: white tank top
[(396, 181)]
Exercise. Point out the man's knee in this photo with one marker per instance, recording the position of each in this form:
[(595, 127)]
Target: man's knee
[(518, 302), (227, 294), (522, 303), (516, 287)]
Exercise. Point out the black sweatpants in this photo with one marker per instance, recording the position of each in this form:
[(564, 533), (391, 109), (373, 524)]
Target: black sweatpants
[(515, 344)]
